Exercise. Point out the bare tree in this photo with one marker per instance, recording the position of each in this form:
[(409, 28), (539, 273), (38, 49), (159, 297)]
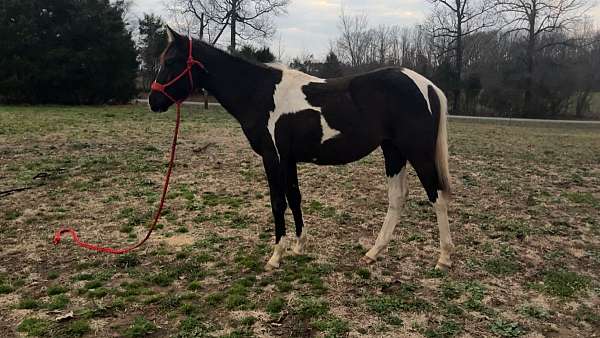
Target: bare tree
[(189, 18), (532, 19), (585, 65), (454, 20), (383, 40), (353, 44), (246, 19)]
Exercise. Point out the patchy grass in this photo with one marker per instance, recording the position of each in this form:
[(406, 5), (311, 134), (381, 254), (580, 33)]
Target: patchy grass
[(505, 328), (140, 327), (583, 198), (332, 327), (29, 303), (56, 290), (501, 266), (363, 273), (589, 315), (193, 326), (447, 328), (4, 289), (35, 327), (524, 219), (534, 312), (309, 308), (58, 302), (564, 283), (77, 328), (275, 305), (401, 298)]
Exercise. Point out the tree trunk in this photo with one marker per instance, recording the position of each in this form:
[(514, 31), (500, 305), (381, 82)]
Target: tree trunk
[(583, 104), (529, 106), (202, 27), (459, 63), (233, 24)]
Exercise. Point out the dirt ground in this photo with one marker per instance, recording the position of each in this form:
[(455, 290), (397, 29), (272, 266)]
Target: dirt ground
[(525, 220)]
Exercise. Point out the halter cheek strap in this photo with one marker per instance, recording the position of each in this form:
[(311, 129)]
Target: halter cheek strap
[(161, 88)]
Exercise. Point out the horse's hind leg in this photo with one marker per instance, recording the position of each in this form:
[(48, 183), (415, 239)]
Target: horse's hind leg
[(294, 201), (395, 167), (446, 245), (427, 172)]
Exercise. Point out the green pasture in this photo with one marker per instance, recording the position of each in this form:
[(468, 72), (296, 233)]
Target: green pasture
[(525, 219)]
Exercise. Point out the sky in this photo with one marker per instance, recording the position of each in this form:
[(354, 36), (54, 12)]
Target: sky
[(310, 25)]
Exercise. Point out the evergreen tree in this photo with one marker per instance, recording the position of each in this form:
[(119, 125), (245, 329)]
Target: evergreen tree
[(65, 51), (332, 67), (152, 42), (263, 55)]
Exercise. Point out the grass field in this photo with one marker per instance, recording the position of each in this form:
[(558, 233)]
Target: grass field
[(525, 220)]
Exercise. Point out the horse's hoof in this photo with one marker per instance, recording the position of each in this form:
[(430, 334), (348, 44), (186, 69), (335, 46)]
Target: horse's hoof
[(271, 267), (443, 267), (298, 251), (366, 261)]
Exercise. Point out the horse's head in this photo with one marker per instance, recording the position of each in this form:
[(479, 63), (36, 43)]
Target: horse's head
[(175, 79)]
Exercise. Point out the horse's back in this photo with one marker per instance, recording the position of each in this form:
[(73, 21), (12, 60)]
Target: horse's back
[(400, 100), (363, 110)]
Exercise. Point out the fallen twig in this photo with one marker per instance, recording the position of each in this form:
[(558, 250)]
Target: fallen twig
[(12, 191), (37, 177), (52, 172), (40, 175), (203, 149)]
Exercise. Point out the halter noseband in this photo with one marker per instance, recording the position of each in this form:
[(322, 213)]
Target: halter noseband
[(161, 88)]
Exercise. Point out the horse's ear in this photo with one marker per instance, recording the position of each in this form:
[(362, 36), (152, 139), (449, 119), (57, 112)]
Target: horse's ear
[(172, 35)]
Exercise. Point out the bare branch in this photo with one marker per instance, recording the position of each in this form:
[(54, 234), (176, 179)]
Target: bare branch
[(246, 19)]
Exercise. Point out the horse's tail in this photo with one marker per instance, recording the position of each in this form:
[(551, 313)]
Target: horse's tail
[(441, 149)]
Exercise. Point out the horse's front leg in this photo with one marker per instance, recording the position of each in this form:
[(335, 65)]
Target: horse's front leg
[(275, 176)]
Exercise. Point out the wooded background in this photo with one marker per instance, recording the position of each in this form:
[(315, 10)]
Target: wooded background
[(512, 58)]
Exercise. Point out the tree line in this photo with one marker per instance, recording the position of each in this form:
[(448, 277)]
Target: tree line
[(66, 52), (89, 52), (518, 58)]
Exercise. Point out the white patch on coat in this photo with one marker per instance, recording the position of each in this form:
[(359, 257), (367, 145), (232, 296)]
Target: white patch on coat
[(397, 194), (328, 132), (446, 246), (422, 82), (290, 99)]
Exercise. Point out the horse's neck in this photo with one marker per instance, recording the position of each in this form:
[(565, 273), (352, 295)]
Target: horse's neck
[(237, 84)]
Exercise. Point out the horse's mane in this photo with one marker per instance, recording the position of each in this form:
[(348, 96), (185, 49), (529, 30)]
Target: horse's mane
[(223, 53)]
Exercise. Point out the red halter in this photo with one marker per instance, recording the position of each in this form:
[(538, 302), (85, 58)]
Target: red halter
[(161, 88)]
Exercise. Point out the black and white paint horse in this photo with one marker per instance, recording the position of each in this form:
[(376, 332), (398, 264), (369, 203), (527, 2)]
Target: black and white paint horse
[(291, 117)]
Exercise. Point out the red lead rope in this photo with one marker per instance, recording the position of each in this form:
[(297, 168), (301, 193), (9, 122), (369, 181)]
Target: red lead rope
[(57, 236)]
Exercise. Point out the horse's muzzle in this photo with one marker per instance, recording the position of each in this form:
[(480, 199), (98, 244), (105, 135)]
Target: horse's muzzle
[(159, 103)]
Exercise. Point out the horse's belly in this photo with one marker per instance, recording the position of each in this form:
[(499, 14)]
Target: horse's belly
[(345, 149), (313, 140)]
